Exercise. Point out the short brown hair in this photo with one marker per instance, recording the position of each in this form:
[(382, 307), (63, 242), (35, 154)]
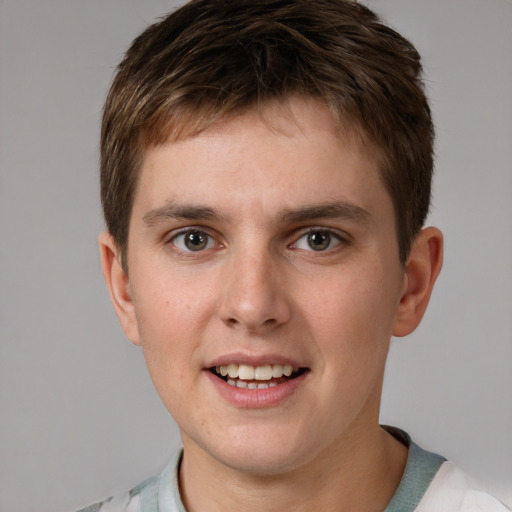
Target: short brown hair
[(213, 58)]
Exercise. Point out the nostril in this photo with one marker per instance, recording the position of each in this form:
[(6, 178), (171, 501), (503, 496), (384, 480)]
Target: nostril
[(267, 323)]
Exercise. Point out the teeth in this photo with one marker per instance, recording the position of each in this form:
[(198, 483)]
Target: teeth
[(248, 372), (277, 371), (263, 372), (232, 370), (251, 385)]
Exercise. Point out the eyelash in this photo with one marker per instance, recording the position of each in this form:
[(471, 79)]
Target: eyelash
[(333, 237), (191, 231)]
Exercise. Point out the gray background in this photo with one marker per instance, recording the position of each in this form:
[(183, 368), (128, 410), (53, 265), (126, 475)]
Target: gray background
[(79, 419)]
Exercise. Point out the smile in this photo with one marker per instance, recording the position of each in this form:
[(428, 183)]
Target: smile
[(256, 377)]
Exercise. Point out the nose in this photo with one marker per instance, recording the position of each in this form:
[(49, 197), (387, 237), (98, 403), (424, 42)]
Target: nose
[(254, 294)]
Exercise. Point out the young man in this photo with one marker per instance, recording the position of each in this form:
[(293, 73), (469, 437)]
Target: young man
[(266, 170)]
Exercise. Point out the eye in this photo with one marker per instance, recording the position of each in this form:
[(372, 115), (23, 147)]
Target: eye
[(318, 240), (193, 241)]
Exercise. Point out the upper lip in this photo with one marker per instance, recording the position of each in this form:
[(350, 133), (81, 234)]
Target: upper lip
[(254, 360)]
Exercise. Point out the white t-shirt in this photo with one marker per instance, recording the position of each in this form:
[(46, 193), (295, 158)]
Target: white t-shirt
[(430, 483), (451, 490)]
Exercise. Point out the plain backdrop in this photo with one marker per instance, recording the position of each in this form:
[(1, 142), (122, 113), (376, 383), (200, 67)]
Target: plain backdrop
[(79, 419)]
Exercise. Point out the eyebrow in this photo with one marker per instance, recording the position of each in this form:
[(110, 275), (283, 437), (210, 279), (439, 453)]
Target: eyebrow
[(331, 210), (173, 210)]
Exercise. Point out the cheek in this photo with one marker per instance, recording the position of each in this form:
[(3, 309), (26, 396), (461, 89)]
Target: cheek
[(349, 302), (170, 300), (168, 331), (170, 315), (352, 316)]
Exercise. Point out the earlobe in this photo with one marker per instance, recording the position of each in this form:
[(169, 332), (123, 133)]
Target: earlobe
[(421, 270), (118, 286)]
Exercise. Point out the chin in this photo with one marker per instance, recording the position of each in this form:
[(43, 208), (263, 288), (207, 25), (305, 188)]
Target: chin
[(260, 464), (261, 454)]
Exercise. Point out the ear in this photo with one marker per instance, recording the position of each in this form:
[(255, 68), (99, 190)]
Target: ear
[(421, 270), (118, 286)]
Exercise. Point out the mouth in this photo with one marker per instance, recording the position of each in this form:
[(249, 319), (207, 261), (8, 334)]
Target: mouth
[(265, 376)]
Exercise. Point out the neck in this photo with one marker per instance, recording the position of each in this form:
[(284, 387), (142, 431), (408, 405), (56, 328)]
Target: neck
[(360, 474)]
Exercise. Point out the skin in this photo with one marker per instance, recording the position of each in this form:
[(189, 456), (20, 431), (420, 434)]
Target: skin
[(258, 292)]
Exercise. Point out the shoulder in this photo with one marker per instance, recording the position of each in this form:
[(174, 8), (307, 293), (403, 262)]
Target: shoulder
[(127, 502), (147, 496), (452, 490)]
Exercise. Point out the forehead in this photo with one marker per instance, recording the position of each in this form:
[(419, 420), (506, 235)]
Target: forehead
[(277, 114), (293, 151)]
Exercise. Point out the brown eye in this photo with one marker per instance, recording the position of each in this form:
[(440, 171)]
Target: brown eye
[(193, 241), (319, 240)]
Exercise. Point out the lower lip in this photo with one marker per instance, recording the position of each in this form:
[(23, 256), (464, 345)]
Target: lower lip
[(256, 398)]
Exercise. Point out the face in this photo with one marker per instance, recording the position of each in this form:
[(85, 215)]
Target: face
[(264, 282)]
